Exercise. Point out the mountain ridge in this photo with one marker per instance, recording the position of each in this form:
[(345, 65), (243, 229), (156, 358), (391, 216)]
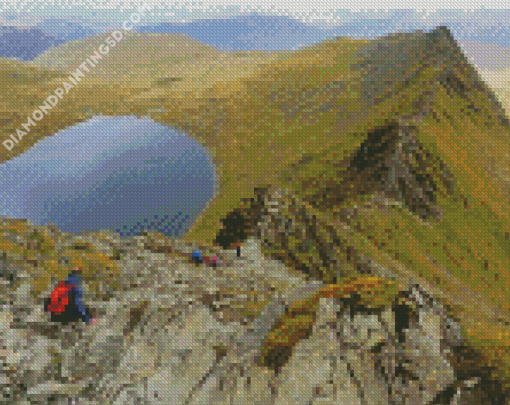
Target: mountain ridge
[(325, 114)]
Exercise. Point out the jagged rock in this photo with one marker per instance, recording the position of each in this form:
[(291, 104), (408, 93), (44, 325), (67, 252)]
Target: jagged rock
[(363, 330), (414, 361), (172, 332), (182, 354), (289, 233), (177, 333), (52, 388), (329, 379), (241, 358)]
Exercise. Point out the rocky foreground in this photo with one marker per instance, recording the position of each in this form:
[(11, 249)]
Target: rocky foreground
[(179, 333)]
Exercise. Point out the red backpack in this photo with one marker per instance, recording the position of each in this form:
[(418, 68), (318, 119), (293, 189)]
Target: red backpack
[(59, 298)]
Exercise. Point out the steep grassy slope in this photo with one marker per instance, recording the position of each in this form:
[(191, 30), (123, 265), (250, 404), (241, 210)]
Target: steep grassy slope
[(20, 83), (307, 103), (254, 128), (396, 143)]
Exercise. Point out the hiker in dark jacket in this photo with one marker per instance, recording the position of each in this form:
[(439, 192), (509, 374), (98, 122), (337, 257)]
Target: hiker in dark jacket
[(66, 302)]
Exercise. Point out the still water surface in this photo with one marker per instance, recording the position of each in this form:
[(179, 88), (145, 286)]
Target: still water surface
[(121, 173)]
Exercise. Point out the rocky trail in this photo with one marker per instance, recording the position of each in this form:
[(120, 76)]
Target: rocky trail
[(180, 333)]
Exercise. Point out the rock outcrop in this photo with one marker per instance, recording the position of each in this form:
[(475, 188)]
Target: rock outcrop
[(290, 232), (178, 333)]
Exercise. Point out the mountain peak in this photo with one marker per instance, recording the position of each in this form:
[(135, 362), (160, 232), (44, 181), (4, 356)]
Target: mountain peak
[(390, 62), (443, 30)]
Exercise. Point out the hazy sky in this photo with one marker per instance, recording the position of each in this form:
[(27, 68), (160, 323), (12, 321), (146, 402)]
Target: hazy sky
[(324, 11)]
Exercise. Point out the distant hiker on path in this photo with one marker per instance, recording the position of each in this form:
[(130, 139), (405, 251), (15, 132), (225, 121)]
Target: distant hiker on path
[(196, 257), (66, 301)]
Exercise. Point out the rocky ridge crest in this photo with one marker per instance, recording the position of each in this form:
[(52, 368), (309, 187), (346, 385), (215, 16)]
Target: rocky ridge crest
[(178, 333)]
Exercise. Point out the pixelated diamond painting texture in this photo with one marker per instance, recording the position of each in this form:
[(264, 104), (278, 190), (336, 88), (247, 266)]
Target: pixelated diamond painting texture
[(244, 203)]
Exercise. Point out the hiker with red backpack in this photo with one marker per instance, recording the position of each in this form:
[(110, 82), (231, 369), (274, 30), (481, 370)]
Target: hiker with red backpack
[(66, 301)]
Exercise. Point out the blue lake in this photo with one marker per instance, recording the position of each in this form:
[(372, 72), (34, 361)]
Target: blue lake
[(126, 174)]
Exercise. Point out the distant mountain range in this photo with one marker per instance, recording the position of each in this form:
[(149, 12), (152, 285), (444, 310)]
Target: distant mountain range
[(66, 30), (255, 32), (264, 32), (247, 32), (25, 44)]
